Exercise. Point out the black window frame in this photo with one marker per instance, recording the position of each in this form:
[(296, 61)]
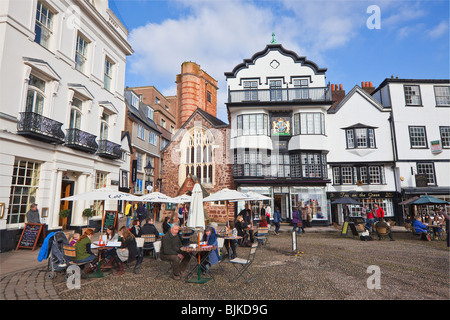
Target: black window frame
[(355, 140), (420, 95), (425, 137)]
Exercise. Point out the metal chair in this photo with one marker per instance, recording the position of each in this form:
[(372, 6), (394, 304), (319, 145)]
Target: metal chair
[(262, 236), (242, 265)]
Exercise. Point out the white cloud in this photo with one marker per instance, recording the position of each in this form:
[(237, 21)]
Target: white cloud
[(441, 29), (218, 35)]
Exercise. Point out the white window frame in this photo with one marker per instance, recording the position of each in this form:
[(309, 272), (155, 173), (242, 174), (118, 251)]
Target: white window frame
[(108, 74), (44, 21), (81, 52), (418, 137)]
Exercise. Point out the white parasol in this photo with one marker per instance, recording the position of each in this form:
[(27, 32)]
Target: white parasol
[(226, 195), (184, 198), (103, 194), (196, 218)]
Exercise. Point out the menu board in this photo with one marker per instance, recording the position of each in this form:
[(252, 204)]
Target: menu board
[(30, 236), (110, 219)]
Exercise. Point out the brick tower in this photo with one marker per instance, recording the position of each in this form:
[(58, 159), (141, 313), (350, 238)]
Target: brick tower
[(195, 89)]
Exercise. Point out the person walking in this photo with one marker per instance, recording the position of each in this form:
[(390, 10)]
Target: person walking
[(277, 219), (296, 221), (129, 209)]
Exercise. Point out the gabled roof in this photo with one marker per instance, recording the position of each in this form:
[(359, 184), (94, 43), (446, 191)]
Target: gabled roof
[(357, 89), (126, 134), (215, 122), (282, 50), (194, 180)]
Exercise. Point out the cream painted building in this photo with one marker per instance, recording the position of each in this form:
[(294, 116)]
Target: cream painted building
[(62, 109)]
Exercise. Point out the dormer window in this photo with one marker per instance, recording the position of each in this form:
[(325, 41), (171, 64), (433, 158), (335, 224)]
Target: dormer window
[(360, 136)]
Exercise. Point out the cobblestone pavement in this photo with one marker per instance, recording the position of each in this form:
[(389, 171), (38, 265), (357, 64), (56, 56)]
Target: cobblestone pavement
[(330, 267)]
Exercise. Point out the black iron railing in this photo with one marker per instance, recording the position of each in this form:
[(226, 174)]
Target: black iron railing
[(109, 149), (40, 127), (80, 140), (281, 95)]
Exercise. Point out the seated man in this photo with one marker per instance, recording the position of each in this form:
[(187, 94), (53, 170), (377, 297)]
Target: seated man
[(171, 251), (421, 228), (383, 224), (149, 228)]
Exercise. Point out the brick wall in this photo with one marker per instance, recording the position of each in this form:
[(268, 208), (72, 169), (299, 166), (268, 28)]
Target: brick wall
[(223, 177)]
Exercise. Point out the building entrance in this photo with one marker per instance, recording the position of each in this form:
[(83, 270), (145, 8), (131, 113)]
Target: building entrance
[(67, 188), (281, 202)]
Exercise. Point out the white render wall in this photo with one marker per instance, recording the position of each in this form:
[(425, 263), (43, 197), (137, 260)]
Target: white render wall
[(107, 37)]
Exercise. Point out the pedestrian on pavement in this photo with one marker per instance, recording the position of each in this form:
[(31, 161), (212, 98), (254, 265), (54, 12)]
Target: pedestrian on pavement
[(308, 215), (378, 212), (304, 215), (370, 220), (269, 215), (447, 224), (364, 213), (129, 213), (171, 251), (141, 212), (33, 214), (296, 221), (277, 220)]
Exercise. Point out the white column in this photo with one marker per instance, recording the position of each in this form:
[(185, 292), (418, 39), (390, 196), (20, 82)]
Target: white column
[(79, 205), (54, 220)]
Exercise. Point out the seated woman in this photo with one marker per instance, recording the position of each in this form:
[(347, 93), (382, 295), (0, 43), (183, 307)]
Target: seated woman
[(136, 228), (127, 252), (83, 251), (211, 240), (166, 225), (263, 222), (111, 236), (241, 226), (230, 244)]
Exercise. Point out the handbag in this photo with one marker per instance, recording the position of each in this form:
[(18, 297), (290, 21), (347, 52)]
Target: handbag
[(299, 224)]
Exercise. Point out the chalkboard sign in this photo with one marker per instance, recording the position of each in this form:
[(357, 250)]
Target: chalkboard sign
[(30, 236), (110, 219), (353, 228)]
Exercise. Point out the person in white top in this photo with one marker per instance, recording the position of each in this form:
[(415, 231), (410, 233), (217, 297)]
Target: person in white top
[(269, 215)]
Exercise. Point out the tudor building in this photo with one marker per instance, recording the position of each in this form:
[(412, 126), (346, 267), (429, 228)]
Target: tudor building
[(277, 104)]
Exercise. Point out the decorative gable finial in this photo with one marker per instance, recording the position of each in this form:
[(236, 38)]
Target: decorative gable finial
[(273, 41)]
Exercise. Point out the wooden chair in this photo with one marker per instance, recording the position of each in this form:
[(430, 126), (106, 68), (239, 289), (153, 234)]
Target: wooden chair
[(242, 265), (71, 254), (149, 240), (382, 232)]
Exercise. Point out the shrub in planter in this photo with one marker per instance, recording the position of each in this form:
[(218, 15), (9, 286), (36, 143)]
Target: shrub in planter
[(64, 213), (88, 212)]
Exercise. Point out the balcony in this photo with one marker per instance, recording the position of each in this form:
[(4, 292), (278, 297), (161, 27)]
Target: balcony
[(295, 95), (108, 149), (80, 140), (36, 126)]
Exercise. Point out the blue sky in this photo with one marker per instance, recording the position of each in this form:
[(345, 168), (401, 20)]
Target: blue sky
[(411, 39)]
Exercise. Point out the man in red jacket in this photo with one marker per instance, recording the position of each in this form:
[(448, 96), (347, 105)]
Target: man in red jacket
[(379, 212)]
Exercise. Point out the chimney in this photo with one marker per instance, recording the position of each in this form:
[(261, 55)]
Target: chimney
[(367, 86), (332, 87), (337, 95)]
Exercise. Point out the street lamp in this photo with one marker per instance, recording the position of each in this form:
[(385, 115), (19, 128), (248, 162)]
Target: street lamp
[(148, 169)]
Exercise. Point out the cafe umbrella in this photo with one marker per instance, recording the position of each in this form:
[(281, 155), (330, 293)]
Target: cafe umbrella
[(157, 197), (102, 194), (226, 195), (428, 200), (196, 218)]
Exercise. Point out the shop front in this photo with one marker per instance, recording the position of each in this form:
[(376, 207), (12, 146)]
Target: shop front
[(287, 199), (388, 201)]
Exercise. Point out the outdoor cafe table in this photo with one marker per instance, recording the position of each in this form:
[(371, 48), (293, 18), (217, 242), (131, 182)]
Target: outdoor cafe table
[(225, 237), (109, 245), (196, 253)]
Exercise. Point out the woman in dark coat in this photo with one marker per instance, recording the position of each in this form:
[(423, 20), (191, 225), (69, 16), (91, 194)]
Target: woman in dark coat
[(127, 252)]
